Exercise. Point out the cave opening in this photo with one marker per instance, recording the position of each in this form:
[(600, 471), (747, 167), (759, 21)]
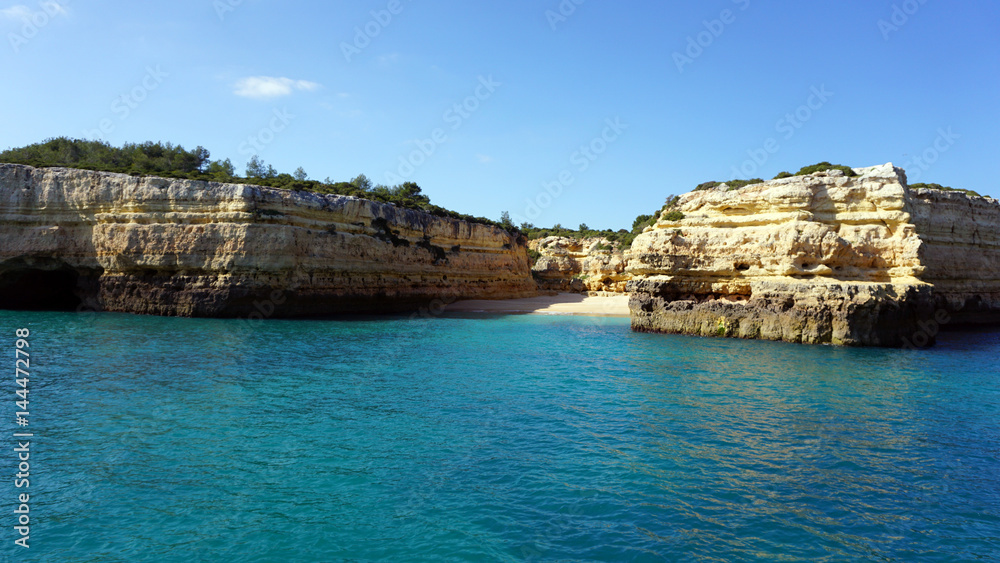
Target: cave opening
[(36, 289)]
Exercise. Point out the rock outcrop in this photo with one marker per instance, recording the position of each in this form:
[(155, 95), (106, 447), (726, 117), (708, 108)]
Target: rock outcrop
[(176, 247), (826, 258), (579, 265)]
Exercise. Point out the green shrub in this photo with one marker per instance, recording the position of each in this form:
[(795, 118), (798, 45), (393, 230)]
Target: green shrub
[(783, 175), (732, 185), (641, 222), (823, 166), (943, 189), (673, 216), (737, 184)]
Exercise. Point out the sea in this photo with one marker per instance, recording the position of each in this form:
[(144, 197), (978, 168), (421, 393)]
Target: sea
[(488, 438)]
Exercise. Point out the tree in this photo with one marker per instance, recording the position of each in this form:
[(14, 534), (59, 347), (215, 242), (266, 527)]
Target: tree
[(202, 158), (410, 195), (583, 228), (300, 174), (362, 182), (221, 170), (505, 221), (255, 168)]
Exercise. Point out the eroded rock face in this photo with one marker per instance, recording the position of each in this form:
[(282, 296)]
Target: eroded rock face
[(190, 248), (820, 259), (579, 265)]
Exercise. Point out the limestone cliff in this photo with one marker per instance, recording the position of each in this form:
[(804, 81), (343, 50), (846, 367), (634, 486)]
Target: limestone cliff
[(826, 258), (591, 264), (191, 248)]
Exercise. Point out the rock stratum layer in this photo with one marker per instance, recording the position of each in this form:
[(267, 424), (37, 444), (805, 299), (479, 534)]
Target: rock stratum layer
[(115, 242), (826, 258), (579, 265)]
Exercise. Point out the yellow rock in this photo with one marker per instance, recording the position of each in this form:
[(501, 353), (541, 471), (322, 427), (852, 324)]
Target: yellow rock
[(827, 258), (191, 248)]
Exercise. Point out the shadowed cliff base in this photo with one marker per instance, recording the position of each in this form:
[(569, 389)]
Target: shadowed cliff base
[(44, 285)]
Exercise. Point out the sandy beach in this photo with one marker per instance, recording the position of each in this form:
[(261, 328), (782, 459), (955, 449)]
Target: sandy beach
[(561, 304)]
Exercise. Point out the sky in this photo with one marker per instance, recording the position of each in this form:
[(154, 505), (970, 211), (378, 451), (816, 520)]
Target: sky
[(557, 111)]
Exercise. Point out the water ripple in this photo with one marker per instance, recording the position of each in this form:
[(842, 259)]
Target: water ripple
[(504, 439)]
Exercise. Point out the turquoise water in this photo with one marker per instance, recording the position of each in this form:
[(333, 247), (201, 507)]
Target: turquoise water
[(496, 439)]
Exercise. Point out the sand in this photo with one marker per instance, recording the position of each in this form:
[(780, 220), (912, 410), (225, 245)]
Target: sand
[(561, 304)]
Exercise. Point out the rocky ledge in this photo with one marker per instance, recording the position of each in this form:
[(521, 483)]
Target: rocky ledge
[(593, 264), (113, 242), (825, 258)]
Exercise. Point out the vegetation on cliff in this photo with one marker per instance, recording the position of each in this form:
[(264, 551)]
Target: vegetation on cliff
[(174, 161), (620, 239), (943, 189), (731, 184), (820, 167)]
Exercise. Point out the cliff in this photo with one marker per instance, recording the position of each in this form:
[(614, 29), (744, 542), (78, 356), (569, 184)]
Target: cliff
[(579, 265), (115, 242), (826, 258)]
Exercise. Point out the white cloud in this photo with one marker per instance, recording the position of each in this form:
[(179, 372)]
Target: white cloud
[(267, 87), (18, 12), (22, 12), (485, 159)]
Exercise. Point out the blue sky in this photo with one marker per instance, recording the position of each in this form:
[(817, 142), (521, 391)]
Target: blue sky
[(558, 111)]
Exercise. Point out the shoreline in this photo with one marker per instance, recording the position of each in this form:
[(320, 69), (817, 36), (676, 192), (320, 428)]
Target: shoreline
[(560, 304)]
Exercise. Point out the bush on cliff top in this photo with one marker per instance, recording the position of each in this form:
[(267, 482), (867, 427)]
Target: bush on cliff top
[(943, 189), (173, 161), (824, 166), (731, 184)]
